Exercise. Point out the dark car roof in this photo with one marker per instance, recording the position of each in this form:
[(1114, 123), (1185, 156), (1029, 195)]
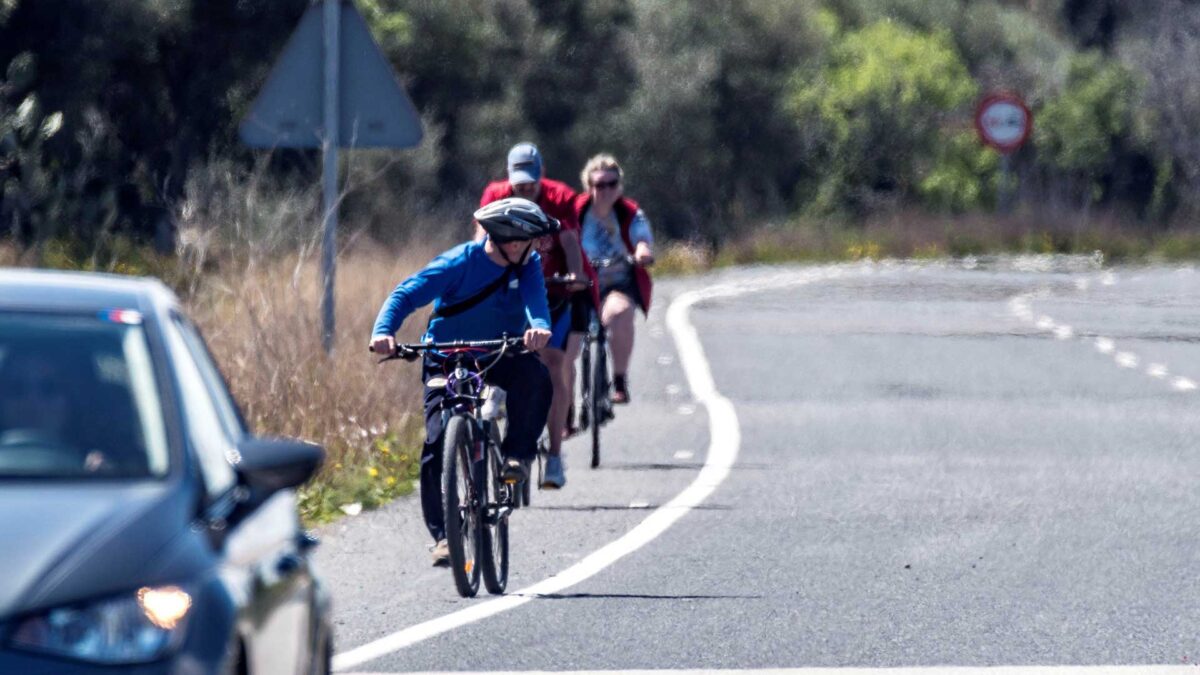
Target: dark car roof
[(47, 289)]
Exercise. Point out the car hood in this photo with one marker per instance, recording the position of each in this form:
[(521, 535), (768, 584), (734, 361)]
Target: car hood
[(67, 542)]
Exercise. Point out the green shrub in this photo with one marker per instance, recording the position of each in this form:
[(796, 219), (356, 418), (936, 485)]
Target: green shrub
[(1078, 131), (964, 174), (877, 107)]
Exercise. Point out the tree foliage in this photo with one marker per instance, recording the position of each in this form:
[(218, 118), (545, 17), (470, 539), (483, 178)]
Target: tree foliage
[(878, 106), (1081, 130), (723, 113)]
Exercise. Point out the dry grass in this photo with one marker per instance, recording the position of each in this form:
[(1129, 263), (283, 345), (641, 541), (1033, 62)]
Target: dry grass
[(9, 255), (263, 324), (918, 234), (250, 251), (678, 258)]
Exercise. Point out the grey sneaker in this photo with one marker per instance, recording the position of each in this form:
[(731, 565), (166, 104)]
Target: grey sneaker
[(555, 477), (441, 553)]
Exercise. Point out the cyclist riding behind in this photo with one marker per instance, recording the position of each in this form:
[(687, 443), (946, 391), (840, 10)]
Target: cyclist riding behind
[(481, 291), (616, 236), (566, 274)]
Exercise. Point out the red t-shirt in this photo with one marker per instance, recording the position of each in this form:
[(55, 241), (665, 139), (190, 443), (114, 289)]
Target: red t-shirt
[(558, 201)]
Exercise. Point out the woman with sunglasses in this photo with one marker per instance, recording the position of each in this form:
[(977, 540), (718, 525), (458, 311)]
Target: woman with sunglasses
[(617, 235)]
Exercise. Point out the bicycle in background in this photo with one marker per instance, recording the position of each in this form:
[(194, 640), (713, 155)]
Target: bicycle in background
[(596, 380)]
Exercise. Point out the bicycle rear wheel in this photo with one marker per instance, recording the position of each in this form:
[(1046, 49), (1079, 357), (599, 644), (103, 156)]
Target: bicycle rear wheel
[(600, 394), (462, 500), (495, 533)]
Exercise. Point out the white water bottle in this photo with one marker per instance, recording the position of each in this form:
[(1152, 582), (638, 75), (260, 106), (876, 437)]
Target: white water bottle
[(493, 403)]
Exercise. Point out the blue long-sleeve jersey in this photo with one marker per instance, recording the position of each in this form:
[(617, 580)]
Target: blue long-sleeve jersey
[(455, 276)]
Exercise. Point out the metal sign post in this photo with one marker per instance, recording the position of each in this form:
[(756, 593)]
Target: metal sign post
[(1004, 122), (331, 88), (329, 172)]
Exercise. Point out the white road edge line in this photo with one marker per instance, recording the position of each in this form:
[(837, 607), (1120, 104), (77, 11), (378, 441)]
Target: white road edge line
[(724, 439)]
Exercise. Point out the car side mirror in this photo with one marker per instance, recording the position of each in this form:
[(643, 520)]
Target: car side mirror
[(268, 465)]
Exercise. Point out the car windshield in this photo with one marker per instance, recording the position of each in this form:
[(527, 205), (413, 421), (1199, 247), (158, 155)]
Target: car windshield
[(78, 398)]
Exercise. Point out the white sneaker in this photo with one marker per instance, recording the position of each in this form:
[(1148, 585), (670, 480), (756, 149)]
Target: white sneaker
[(441, 553), (494, 403)]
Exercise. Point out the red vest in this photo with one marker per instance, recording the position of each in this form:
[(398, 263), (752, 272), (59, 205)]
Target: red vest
[(626, 209), (557, 200)]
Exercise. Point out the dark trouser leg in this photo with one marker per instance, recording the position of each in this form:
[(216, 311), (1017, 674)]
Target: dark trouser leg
[(431, 458), (527, 383)]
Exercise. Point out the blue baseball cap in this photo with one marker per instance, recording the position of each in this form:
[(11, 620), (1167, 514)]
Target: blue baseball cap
[(524, 164)]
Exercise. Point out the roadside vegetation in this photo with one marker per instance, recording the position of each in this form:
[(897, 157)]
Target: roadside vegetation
[(725, 115), (753, 132)]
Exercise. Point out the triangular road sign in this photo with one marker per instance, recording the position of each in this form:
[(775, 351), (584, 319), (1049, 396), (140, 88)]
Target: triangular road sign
[(374, 110)]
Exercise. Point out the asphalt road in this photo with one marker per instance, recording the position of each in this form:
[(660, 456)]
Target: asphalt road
[(972, 463)]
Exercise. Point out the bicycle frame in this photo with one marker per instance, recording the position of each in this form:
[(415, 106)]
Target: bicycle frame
[(596, 408), (476, 501), (463, 382), (465, 396)]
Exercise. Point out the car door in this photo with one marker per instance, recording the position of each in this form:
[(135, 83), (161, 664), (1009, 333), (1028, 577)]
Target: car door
[(261, 551)]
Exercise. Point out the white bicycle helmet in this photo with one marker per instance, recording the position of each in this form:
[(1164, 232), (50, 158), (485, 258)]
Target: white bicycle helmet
[(515, 219)]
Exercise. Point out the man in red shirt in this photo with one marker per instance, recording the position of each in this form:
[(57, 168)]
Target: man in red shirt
[(562, 256)]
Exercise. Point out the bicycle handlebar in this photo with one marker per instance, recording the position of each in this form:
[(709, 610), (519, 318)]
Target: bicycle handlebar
[(561, 280), (601, 263), (410, 351)]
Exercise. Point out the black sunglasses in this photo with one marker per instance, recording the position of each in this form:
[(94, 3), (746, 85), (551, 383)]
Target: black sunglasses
[(606, 184)]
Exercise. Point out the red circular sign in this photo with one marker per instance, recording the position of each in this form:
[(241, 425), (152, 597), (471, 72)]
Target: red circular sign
[(1003, 121)]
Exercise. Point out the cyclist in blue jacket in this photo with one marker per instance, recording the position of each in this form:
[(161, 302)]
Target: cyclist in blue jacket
[(482, 291)]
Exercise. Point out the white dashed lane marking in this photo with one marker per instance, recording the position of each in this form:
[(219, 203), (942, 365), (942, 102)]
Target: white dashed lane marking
[(1021, 306), (1127, 359)]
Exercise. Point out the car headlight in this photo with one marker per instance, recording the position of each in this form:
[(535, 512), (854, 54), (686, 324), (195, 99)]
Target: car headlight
[(129, 629)]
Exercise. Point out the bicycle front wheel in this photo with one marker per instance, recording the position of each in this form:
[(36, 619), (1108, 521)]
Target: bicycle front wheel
[(462, 500), (495, 532), (586, 390)]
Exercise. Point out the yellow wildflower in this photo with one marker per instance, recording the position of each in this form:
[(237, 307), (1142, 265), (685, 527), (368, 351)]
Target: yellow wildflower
[(373, 472)]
